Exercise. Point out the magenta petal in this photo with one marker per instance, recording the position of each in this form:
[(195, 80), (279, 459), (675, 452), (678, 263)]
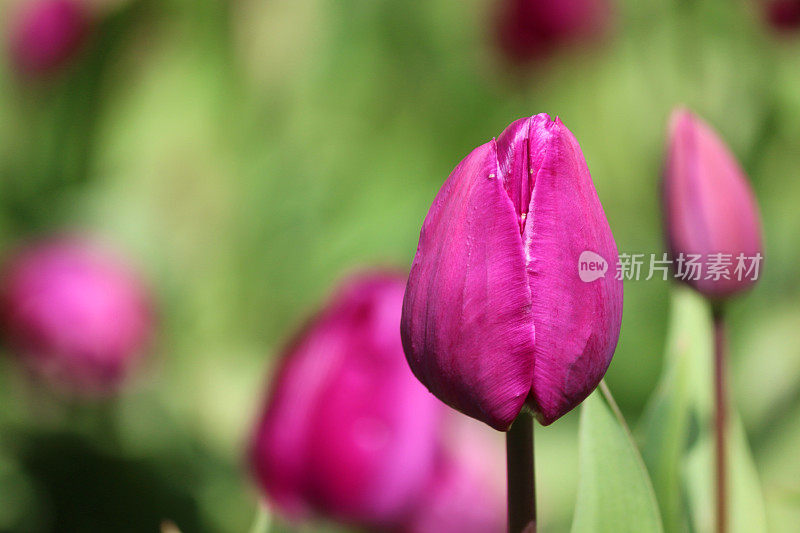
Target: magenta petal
[(577, 323), (513, 158), (466, 327)]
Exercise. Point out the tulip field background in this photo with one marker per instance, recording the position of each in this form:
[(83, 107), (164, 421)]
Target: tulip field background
[(248, 154)]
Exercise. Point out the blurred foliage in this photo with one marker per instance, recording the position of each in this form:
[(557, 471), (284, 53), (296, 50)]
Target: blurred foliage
[(249, 153), (678, 432)]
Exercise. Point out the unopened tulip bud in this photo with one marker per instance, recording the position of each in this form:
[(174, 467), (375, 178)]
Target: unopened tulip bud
[(46, 35), (710, 212), (347, 432), (75, 315), (496, 313), (527, 30)]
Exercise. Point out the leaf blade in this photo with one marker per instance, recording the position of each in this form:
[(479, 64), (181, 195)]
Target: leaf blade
[(614, 492), (678, 432)]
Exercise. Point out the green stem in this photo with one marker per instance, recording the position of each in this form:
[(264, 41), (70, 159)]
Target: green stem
[(721, 419), (521, 477)]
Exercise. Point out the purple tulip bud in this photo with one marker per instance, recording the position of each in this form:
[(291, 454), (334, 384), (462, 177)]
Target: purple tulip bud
[(709, 209), (347, 431), (75, 315), (784, 15), (46, 35), (528, 30), (495, 313)]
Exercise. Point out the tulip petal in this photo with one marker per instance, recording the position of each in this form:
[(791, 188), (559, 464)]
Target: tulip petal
[(467, 327), (513, 161), (577, 322)]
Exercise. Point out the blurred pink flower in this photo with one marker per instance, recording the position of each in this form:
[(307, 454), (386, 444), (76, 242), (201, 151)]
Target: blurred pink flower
[(709, 206), (528, 30), (784, 15), (46, 35), (348, 433), (75, 314), (467, 493)]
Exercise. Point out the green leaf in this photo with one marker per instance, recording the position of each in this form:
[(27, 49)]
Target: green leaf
[(614, 491), (667, 421), (746, 509), (678, 432), (263, 520)]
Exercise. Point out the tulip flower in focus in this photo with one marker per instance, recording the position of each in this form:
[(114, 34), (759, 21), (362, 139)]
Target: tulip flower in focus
[(349, 434), (496, 315), (527, 30), (709, 208), (46, 35), (75, 315)]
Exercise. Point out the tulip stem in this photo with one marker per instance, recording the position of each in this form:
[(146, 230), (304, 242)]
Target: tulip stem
[(521, 479), (720, 418)]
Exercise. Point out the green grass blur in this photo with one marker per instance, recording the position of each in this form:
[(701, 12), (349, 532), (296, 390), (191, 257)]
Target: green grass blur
[(250, 153)]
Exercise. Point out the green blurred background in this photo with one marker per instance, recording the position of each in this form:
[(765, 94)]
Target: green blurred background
[(250, 153)]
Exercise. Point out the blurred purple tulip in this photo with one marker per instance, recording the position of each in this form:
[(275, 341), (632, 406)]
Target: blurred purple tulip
[(495, 313), (46, 35), (466, 493), (784, 15), (528, 30), (709, 206), (76, 315), (347, 432)]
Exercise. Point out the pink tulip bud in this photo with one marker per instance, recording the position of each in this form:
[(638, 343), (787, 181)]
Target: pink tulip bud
[(496, 313), (75, 315), (711, 215), (46, 35), (347, 432), (527, 30), (784, 15)]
